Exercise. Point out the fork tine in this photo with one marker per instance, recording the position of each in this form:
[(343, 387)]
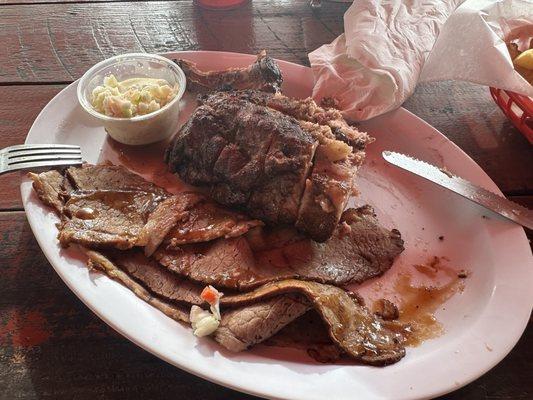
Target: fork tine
[(23, 147), (39, 156), (43, 158), (44, 164), (25, 153)]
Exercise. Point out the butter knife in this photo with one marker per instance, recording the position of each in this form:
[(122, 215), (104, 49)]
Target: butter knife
[(444, 178)]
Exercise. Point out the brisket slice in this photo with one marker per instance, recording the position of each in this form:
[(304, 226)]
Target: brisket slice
[(257, 315), (239, 328), (156, 279), (107, 206), (263, 74), (227, 263), (100, 262), (208, 221), (308, 333), (110, 177), (190, 218), (164, 218), (359, 249), (48, 186), (351, 326), (105, 218), (243, 327)]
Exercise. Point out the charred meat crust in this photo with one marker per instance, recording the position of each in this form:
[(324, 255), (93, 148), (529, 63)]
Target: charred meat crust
[(307, 110), (275, 167), (264, 74), (255, 159)]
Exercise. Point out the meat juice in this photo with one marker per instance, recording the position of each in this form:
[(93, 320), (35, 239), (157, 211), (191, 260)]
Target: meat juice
[(147, 161), (418, 305), (419, 292)]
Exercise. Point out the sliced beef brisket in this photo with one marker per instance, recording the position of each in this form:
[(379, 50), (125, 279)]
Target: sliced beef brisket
[(357, 251), (243, 327), (48, 186), (351, 326), (253, 317), (100, 262), (106, 206)]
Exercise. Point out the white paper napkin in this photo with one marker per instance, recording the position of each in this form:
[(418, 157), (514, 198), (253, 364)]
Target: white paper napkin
[(389, 46)]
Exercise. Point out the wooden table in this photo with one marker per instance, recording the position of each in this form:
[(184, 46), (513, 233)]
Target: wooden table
[(51, 345)]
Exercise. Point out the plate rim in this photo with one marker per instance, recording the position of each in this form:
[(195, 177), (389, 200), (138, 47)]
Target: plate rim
[(490, 184)]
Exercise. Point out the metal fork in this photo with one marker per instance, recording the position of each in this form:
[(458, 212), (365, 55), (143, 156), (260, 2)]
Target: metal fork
[(38, 156)]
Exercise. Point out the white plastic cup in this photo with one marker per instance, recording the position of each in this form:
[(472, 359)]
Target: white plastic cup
[(140, 129)]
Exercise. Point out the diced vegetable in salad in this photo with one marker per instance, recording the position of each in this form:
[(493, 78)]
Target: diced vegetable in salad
[(205, 322)]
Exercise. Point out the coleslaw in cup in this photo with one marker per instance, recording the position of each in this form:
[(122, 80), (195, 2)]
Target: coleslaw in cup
[(138, 129)]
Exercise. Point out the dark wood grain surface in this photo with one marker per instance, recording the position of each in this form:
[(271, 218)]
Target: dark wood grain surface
[(51, 345)]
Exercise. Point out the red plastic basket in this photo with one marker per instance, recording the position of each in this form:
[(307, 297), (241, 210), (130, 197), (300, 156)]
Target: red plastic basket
[(518, 108)]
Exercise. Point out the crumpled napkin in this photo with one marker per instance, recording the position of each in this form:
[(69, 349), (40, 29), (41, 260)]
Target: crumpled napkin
[(389, 46)]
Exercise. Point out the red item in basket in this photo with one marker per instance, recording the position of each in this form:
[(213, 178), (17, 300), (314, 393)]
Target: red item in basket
[(220, 4), (518, 108)]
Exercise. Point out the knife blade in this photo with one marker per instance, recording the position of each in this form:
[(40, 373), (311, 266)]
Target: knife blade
[(479, 195)]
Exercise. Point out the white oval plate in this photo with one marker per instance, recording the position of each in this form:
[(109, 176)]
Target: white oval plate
[(482, 324)]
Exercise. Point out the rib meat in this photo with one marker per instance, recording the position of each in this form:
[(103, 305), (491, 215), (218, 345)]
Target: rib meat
[(263, 74), (305, 110), (209, 151)]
